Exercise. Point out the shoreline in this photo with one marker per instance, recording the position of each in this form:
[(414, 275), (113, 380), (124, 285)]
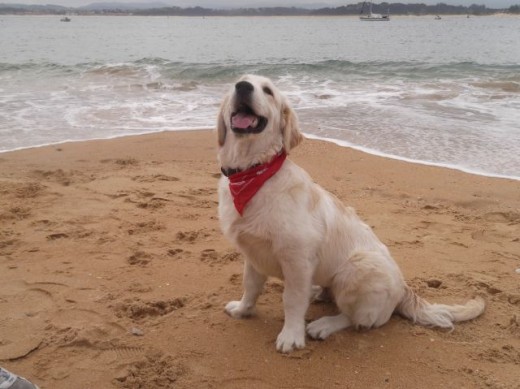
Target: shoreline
[(338, 142), (381, 154), (114, 271)]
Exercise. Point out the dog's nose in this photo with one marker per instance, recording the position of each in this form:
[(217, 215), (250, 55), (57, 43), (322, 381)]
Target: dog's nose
[(244, 88)]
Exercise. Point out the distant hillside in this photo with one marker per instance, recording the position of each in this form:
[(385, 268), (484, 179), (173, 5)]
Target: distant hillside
[(159, 8), (102, 6), (50, 8)]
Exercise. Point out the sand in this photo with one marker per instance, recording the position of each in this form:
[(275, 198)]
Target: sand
[(114, 272)]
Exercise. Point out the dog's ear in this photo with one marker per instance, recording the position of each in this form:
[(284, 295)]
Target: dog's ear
[(292, 136), (221, 125)]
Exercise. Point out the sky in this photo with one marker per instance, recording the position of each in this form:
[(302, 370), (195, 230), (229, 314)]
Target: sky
[(267, 3)]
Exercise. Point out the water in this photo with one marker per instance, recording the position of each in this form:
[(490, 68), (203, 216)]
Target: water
[(438, 92)]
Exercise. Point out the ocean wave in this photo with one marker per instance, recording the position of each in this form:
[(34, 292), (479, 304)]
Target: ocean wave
[(333, 69), (462, 114)]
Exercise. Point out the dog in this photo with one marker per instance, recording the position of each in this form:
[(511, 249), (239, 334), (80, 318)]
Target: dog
[(289, 227)]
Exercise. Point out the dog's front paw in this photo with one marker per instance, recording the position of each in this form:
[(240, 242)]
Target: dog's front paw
[(289, 339), (237, 310), (319, 329), (327, 325)]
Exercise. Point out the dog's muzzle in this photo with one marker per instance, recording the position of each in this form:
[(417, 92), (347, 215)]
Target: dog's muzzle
[(243, 119)]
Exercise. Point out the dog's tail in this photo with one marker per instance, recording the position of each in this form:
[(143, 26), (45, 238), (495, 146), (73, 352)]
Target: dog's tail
[(422, 312)]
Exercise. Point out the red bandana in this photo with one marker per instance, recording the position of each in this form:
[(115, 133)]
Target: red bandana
[(244, 185)]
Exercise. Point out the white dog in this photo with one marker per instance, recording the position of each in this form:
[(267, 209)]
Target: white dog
[(289, 227)]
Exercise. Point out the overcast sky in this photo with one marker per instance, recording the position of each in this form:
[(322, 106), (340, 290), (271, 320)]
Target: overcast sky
[(267, 3)]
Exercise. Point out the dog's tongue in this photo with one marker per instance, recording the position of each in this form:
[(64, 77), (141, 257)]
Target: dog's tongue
[(242, 120)]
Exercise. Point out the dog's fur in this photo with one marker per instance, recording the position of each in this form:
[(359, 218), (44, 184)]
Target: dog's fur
[(295, 230)]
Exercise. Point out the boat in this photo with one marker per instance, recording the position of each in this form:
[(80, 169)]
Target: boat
[(372, 17), (65, 19)]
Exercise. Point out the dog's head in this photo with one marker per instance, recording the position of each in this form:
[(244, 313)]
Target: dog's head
[(254, 112)]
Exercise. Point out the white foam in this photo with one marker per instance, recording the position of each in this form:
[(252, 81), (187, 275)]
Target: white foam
[(343, 143)]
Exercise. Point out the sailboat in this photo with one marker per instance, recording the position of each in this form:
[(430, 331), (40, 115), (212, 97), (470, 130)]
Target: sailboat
[(372, 17)]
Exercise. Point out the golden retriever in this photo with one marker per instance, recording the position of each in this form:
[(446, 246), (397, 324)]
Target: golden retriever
[(289, 227)]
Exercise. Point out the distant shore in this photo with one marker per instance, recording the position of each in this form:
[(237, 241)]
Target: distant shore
[(348, 10), (76, 13)]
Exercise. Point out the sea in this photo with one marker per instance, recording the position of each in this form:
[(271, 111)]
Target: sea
[(439, 92)]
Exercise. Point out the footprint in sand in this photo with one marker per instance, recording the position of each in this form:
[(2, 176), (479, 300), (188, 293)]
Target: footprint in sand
[(24, 310), (139, 258), (29, 190), (20, 336), (32, 316), (42, 225), (153, 204), (137, 309), (191, 236), (146, 227), (196, 200), (125, 162), (213, 257), (20, 190), (56, 236), (505, 354), (209, 255), (7, 244), (502, 217), (495, 234), (202, 191), (175, 253), (61, 177), (121, 354), (137, 287), (155, 370), (89, 327), (154, 178)]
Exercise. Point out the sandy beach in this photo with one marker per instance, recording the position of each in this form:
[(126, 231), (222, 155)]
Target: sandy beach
[(114, 272)]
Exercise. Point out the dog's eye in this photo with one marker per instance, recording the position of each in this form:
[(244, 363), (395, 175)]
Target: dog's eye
[(267, 90)]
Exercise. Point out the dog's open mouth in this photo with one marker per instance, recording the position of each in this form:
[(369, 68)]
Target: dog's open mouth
[(245, 121)]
